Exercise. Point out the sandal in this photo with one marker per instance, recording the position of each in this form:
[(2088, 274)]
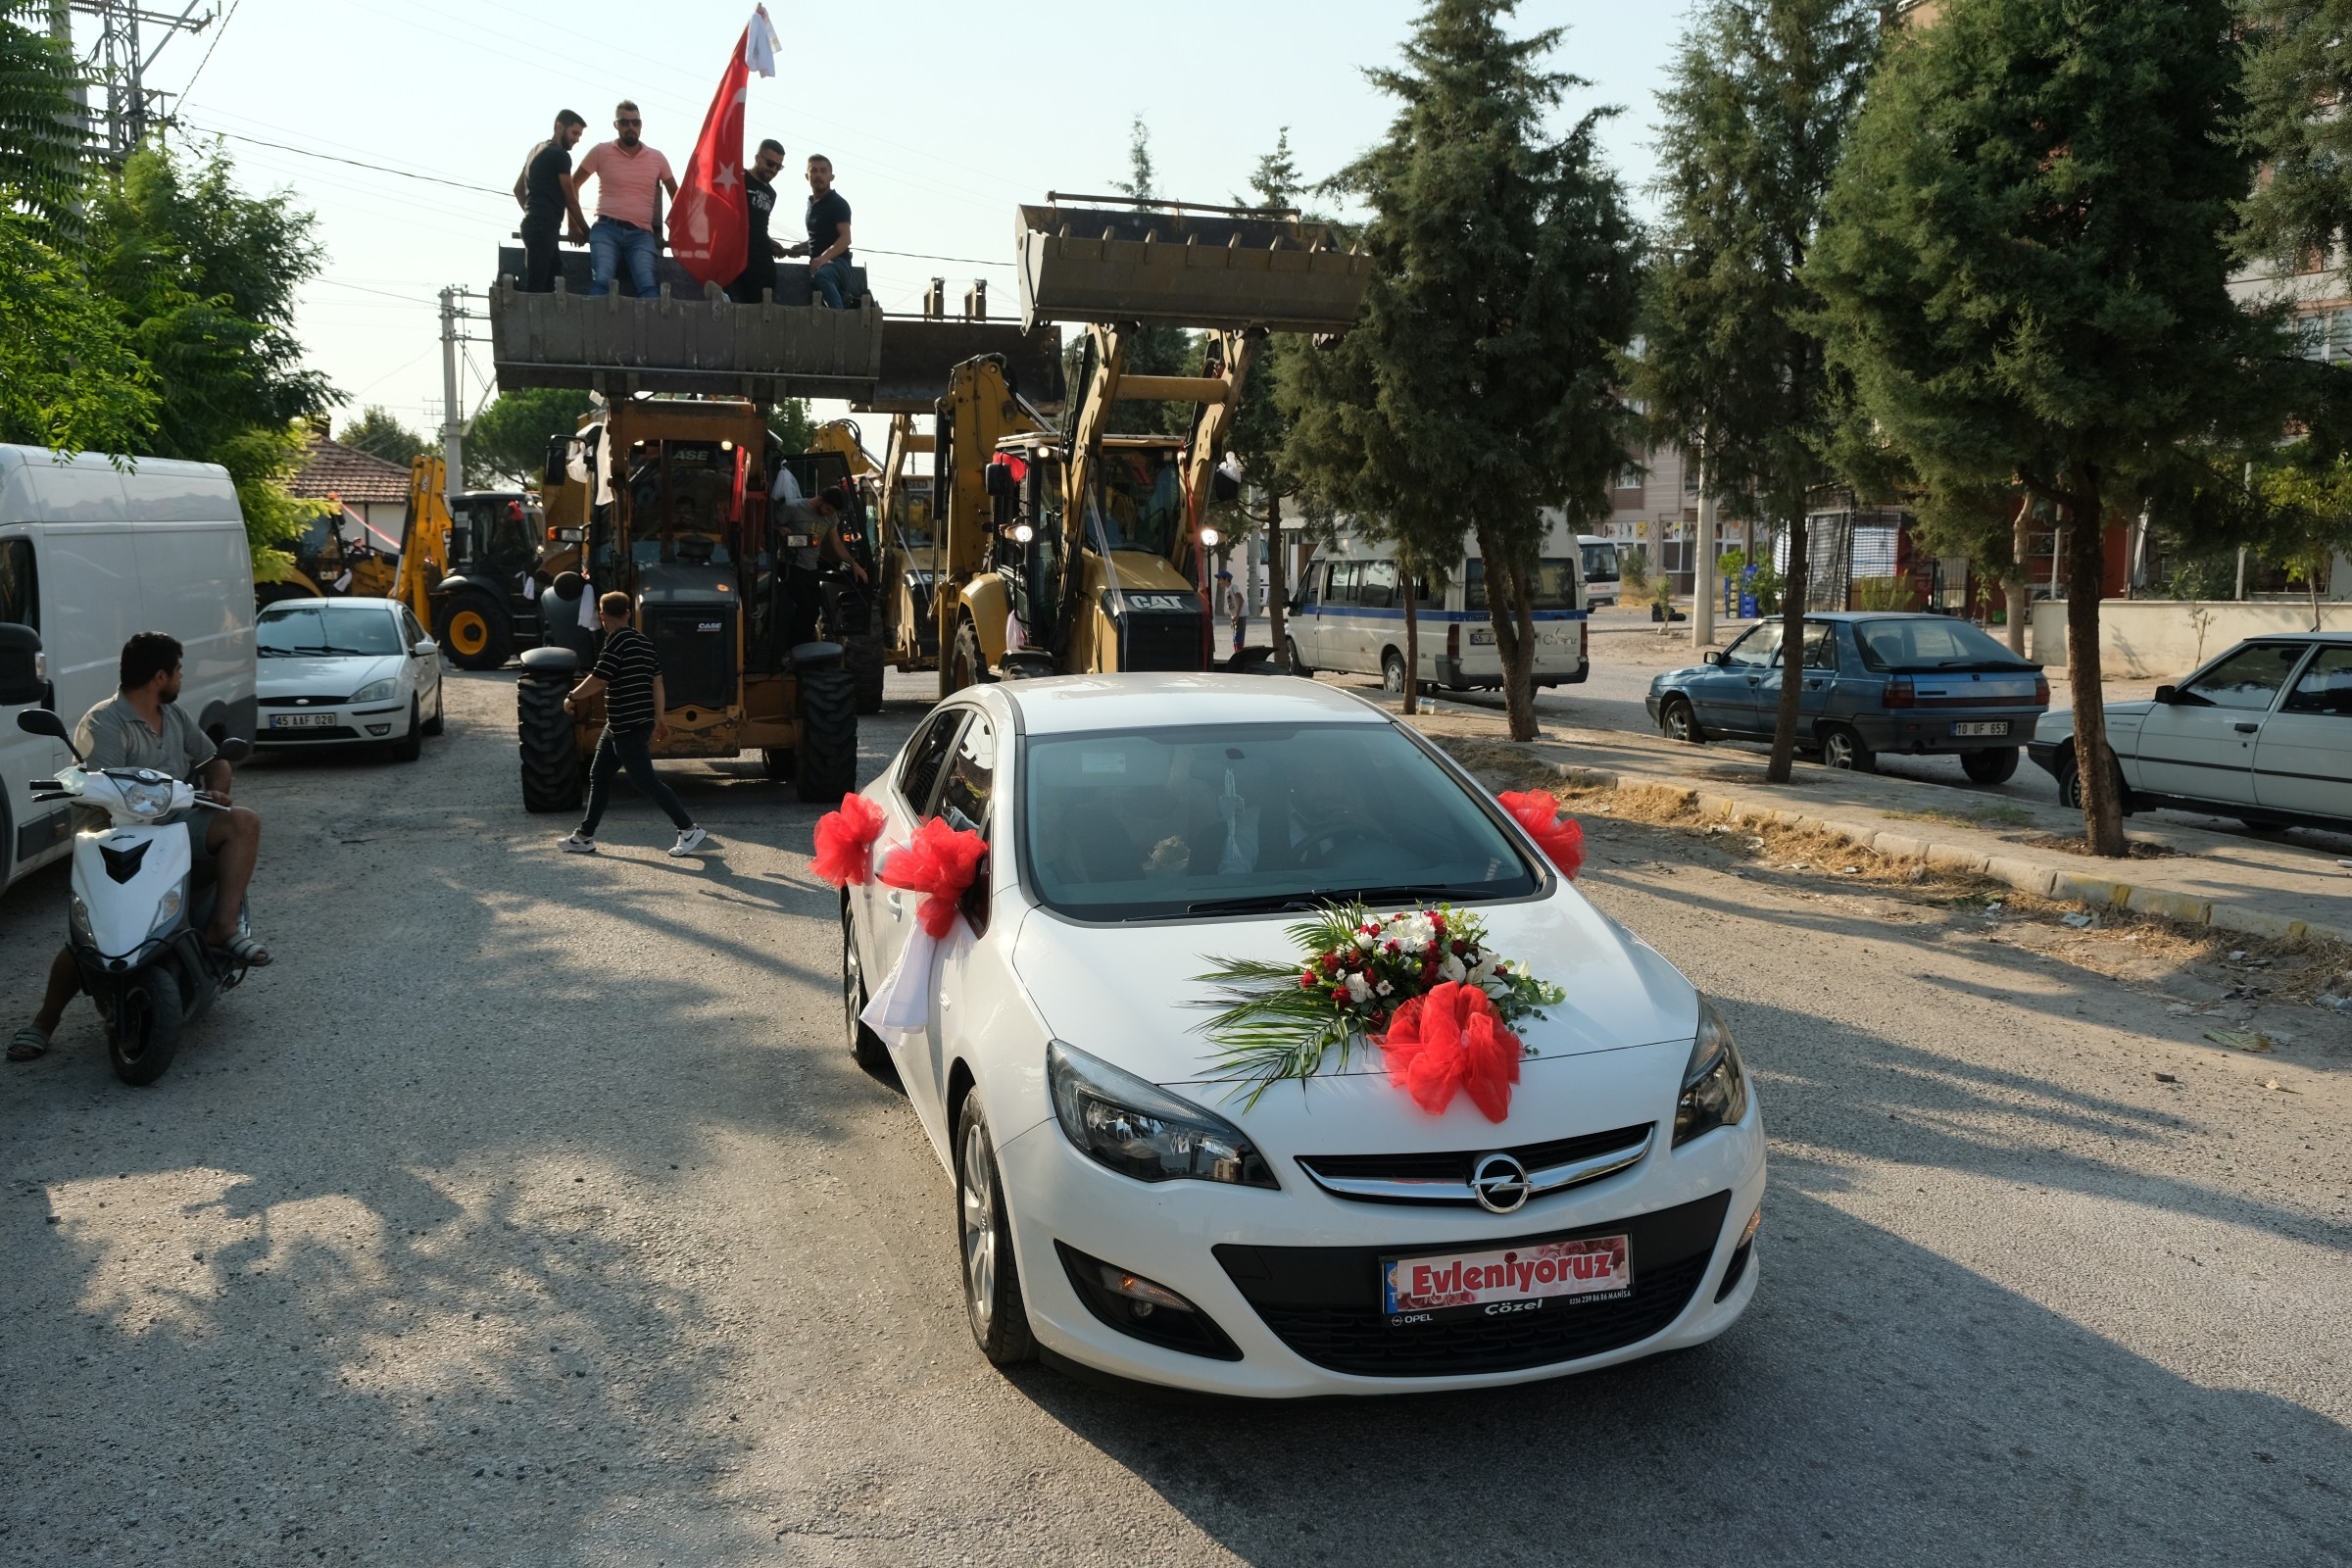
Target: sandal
[(242, 948), (26, 1044)]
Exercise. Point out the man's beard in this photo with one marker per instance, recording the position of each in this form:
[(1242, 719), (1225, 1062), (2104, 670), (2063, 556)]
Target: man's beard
[(172, 695)]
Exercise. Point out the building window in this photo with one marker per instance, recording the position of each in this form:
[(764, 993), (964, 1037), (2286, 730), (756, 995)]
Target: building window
[(1628, 478)]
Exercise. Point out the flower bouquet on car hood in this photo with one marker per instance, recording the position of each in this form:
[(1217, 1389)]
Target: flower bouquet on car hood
[(1421, 983)]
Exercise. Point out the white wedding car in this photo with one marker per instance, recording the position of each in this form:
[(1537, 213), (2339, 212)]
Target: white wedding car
[(1121, 1204)]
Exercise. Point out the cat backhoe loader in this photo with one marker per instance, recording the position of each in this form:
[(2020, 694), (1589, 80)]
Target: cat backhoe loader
[(1074, 548)]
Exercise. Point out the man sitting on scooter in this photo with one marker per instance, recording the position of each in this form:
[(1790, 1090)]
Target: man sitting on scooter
[(142, 726)]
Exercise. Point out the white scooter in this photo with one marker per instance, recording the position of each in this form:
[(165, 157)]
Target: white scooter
[(135, 923)]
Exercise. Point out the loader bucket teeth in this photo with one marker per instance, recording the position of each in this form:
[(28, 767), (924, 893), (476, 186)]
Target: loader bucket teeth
[(1170, 268)]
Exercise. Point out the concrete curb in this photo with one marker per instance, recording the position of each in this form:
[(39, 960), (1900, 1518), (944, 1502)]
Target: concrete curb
[(2059, 883)]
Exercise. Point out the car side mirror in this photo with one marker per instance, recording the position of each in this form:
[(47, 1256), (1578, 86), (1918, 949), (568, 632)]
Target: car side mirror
[(2165, 694), (425, 649), (1713, 655), (24, 672), (235, 749)]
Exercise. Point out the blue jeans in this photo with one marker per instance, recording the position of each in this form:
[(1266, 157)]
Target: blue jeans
[(609, 245), (632, 749), (831, 282)]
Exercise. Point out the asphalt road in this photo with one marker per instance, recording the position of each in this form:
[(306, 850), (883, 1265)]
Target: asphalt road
[(530, 1210)]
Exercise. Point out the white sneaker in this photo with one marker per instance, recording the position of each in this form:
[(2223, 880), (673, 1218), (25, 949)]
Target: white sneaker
[(691, 840), (575, 843)]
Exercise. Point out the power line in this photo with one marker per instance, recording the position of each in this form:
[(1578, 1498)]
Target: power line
[(406, 299), (189, 86), (330, 158)]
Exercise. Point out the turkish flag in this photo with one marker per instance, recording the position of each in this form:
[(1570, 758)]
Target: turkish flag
[(709, 226)]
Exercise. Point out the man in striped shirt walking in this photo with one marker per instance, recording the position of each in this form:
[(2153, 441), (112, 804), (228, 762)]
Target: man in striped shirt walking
[(629, 674)]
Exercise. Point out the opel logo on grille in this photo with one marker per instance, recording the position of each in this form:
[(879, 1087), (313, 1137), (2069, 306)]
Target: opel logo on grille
[(1499, 1183)]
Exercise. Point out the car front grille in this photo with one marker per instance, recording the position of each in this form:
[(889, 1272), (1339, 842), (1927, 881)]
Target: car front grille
[(295, 737), (305, 702), (1324, 1302), (1552, 1166)]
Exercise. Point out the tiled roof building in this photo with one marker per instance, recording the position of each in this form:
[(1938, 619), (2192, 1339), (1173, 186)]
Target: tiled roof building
[(329, 467)]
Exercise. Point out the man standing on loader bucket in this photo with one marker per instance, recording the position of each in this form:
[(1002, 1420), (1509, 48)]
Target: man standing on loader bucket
[(828, 247), (628, 674), (546, 194), (631, 177), (760, 202)]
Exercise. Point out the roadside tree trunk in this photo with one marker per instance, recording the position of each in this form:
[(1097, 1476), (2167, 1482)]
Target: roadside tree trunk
[(2014, 587), (1278, 588), (1792, 654), (1413, 636), (2085, 567), (1510, 611)]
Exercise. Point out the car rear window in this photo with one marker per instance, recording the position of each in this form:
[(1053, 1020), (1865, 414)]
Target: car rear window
[(1151, 823), (1929, 642)]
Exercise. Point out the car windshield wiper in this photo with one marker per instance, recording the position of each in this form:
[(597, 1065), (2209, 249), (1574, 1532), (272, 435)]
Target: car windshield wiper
[(276, 653), (1257, 903), (1413, 891)]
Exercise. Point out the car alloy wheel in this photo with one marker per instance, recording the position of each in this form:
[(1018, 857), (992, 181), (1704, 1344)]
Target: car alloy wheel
[(992, 1283), (1391, 675), (1842, 748), (1679, 722), (979, 1208)]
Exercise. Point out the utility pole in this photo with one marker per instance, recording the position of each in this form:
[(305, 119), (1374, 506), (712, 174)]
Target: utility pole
[(120, 59), (1703, 578), (452, 421)]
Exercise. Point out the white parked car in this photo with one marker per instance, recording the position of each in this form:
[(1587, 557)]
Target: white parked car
[(2263, 733), (1121, 1204), (346, 673)]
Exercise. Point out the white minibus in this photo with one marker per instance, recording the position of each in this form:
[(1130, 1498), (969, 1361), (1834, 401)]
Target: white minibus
[(1347, 616)]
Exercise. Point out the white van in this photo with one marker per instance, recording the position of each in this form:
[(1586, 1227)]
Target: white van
[(1601, 569), (1347, 616), (90, 554)]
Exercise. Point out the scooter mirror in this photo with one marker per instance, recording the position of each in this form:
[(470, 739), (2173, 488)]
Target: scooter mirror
[(41, 721), (234, 750)]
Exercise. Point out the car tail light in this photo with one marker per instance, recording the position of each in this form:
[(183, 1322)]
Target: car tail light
[(1897, 693), (2042, 691), (1454, 639)]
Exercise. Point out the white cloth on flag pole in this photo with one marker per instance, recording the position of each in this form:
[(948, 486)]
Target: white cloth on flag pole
[(760, 45)]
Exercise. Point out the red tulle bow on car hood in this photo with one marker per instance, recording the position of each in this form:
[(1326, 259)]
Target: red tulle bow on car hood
[(844, 842), (940, 865), (1449, 1041), (1560, 837)]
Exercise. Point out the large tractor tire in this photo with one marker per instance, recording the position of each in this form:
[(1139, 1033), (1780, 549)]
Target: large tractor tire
[(825, 762), (863, 658), (551, 752), (473, 631), (967, 665)]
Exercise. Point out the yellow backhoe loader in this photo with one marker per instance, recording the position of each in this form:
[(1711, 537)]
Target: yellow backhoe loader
[(1073, 548)]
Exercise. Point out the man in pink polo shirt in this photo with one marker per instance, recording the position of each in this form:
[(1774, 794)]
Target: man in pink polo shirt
[(631, 177)]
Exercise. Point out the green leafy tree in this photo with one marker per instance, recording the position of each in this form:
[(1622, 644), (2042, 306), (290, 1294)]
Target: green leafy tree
[(1261, 425), (69, 374), (1762, 93), (506, 443), (2026, 266), (2296, 69), (1481, 384), (380, 435), (44, 154)]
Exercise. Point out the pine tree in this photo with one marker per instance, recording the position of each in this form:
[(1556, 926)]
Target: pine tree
[(1762, 95), (2026, 270), (1480, 385), (378, 434)]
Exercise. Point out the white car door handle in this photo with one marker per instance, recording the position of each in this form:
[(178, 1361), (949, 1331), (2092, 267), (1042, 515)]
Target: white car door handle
[(897, 903), (2246, 729)]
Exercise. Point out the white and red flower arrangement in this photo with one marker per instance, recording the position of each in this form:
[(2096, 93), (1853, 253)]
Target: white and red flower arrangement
[(941, 863), (1422, 984)]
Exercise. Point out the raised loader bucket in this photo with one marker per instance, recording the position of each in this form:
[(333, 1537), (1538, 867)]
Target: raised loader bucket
[(690, 339), (1176, 265), (919, 353)]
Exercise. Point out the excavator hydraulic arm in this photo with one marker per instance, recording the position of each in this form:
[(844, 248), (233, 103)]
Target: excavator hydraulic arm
[(423, 537), (980, 409)]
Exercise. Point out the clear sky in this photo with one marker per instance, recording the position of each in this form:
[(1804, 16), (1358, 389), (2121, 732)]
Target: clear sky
[(939, 120)]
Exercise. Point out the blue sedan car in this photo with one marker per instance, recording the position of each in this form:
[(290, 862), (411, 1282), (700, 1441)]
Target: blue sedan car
[(1873, 684)]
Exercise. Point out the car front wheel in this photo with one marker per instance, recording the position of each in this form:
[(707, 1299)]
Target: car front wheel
[(1678, 722), (992, 1283)]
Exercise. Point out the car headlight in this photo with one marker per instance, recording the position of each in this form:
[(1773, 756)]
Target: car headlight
[(1714, 1085), (1141, 1130), (376, 691)]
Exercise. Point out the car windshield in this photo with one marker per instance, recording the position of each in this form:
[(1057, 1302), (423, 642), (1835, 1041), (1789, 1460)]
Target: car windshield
[(1930, 641), (1601, 562), (1151, 823), (327, 628)]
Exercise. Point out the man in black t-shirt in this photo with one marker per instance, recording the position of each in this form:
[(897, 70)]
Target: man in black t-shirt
[(544, 191), (628, 674), (828, 247), (759, 200)]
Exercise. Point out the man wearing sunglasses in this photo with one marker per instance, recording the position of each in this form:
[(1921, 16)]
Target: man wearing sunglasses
[(630, 178)]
